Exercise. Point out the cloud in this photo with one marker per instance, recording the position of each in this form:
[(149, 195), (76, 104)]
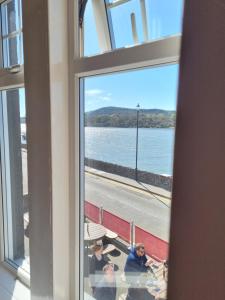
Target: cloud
[(98, 95), (93, 92), (105, 98)]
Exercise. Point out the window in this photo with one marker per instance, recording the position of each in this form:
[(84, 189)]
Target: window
[(109, 25), (14, 164), (157, 53), (12, 38), (127, 104), (128, 158), (13, 140)]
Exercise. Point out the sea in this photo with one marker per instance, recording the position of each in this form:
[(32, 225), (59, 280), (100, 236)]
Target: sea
[(118, 146)]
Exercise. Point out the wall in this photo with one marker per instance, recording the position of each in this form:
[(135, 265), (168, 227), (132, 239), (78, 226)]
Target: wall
[(164, 182), (197, 243)]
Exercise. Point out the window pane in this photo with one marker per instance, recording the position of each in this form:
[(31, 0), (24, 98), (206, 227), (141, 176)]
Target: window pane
[(89, 33), (12, 33), (12, 51), (128, 156), (15, 178), (10, 17), (128, 23), (163, 19)]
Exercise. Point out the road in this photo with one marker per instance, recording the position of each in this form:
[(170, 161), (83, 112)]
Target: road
[(129, 203)]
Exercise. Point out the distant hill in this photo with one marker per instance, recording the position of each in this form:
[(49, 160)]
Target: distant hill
[(127, 117)]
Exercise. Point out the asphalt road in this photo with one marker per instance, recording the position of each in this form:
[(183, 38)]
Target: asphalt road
[(129, 203)]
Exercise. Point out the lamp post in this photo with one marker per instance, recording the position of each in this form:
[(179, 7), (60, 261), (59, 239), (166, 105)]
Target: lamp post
[(136, 168)]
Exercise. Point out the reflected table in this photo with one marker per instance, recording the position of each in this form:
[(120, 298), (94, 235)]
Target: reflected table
[(93, 231)]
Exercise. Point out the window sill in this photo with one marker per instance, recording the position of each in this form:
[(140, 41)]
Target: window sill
[(11, 288)]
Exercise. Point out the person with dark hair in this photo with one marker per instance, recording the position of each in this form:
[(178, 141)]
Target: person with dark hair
[(97, 262), (106, 288), (136, 264)]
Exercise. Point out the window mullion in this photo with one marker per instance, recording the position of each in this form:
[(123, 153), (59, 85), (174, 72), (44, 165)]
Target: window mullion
[(164, 51)]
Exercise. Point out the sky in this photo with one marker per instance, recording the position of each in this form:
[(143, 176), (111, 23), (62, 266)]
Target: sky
[(152, 87)]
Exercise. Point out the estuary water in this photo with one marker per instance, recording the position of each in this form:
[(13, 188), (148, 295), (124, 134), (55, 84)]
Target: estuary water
[(118, 146)]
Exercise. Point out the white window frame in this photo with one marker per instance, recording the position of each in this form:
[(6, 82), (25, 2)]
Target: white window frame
[(46, 69), (158, 53), (16, 33), (62, 281), (10, 78), (65, 238)]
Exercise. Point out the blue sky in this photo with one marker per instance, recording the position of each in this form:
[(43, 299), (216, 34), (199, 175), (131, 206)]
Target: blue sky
[(152, 88)]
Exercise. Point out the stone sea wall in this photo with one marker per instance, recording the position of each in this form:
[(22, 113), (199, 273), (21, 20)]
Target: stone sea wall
[(161, 181)]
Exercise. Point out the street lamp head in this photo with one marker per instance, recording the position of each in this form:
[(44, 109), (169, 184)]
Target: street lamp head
[(138, 106)]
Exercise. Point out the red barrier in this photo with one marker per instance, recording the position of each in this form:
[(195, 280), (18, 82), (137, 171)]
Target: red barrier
[(154, 246), (116, 224), (91, 211)]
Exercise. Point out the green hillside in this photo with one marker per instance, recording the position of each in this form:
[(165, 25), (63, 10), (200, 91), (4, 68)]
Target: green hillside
[(125, 117)]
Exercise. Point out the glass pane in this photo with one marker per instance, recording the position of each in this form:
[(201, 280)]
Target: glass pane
[(13, 52), (129, 23), (11, 33), (89, 32), (163, 18), (15, 177), (10, 17), (128, 156)]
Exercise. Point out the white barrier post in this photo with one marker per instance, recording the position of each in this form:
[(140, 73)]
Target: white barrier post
[(101, 215), (132, 234)]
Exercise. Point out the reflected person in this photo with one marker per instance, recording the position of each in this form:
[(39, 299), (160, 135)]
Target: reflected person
[(106, 288)]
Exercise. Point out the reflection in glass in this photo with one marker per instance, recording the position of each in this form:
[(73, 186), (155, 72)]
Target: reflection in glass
[(12, 51), (128, 23), (127, 217), (12, 33), (90, 38), (15, 177), (10, 17)]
